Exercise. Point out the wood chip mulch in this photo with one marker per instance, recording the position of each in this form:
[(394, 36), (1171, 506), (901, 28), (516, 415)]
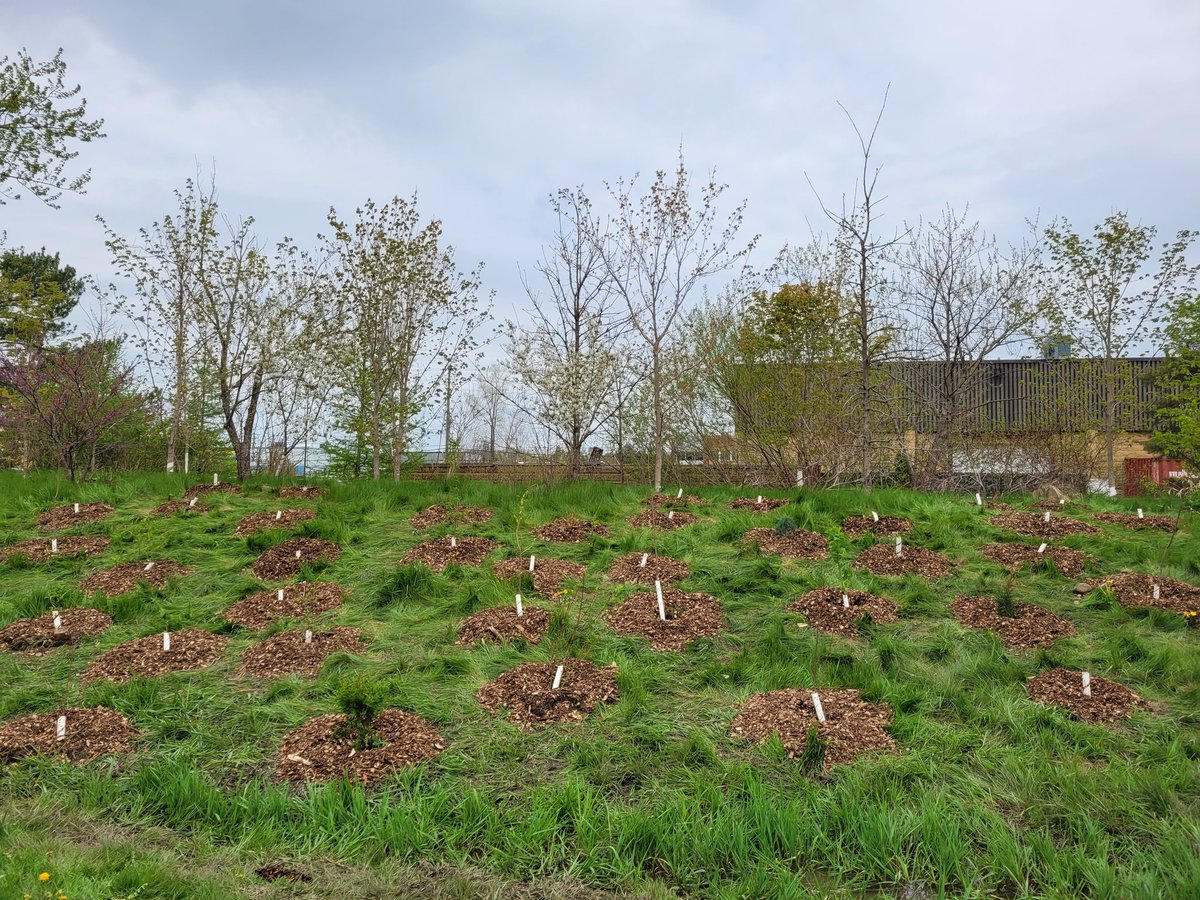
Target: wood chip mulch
[(59, 517), (439, 553), (207, 487), (1013, 556), (124, 577), (1035, 525), (280, 562), (278, 872), (856, 526), (673, 500), (825, 610), (569, 530), (301, 493), (174, 507), (1130, 520), (851, 728), (756, 505), (39, 548), (881, 559), (629, 568), (1109, 702), (548, 574), (287, 654), (796, 544), (656, 518), (322, 749), (39, 633), (91, 732), (280, 518), (527, 692), (306, 598), (1136, 589), (1030, 626), (501, 623), (690, 616), (1052, 505), (460, 515), (193, 648)]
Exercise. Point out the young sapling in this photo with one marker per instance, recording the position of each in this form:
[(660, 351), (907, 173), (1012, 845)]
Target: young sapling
[(360, 699)]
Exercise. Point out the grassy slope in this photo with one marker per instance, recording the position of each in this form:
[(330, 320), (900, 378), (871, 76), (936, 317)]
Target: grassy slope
[(991, 794)]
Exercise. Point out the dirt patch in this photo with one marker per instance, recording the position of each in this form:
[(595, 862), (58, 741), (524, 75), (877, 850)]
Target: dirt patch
[(795, 544), (174, 507), (281, 561), (757, 504), (881, 559), (58, 517), (280, 518), (1030, 626), (851, 728), (548, 574), (441, 552), (40, 549), (91, 732), (673, 500), (1109, 702), (1035, 525), (856, 526), (1130, 520), (501, 623), (124, 577), (322, 749), (301, 493), (527, 692), (656, 518), (569, 530), (38, 634), (145, 657), (1012, 556), (1135, 589), (629, 568), (690, 616), (307, 598), (287, 654), (459, 515), (277, 872), (826, 610)]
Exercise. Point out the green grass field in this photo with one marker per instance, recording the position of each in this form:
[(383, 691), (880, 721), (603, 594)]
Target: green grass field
[(990, 794)]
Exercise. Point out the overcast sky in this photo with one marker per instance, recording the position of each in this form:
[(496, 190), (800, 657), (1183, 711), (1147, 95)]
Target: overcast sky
[(1025, 108)]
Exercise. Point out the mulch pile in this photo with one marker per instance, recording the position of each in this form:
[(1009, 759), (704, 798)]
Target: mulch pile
[(757, 505), (672, 500), (501, 623), (281, 518), (1135, 589), (656, 518), (460, 515), (59, 517), (144, 657), (124, 577), (881, 559), (856, 526), (280, 561), (1035, 525), (996, 505), (277, 872), (1012, 556), (1051, 504), (306, 598), (526, 692), (658, 568), (322, 749), (91, 733), (1130, 520), (852, 726), (174, 507), (225, 487), (287, 654), (39, 548), (825, 610), (39, 633), (439, 553), (548, 574), (1109, 702), (301, 493), (796, 544), (569, 530), (690, 616), (1030, 626)]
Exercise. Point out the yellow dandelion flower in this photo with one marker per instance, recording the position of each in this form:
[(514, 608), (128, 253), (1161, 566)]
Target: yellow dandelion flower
[(45, 876)]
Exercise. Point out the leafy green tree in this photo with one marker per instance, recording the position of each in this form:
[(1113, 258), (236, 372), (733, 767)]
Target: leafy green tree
[(1179, 436), (37, 293)]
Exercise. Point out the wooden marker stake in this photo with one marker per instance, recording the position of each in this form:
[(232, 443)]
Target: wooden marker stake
[(557, 679), (1087, 684), (662, 610), (60, 729), (816, 699)]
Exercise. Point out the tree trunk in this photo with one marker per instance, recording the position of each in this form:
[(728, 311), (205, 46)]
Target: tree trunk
[(656, 376)]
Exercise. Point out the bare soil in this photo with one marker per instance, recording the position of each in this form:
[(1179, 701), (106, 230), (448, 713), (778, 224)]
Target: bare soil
[(796, 544), (851, 728), (300, 600), (174, 507), (460, 515), (501, 623), (1136, 589), (825, 611), (527, 692), (663, 521), (439, 553), (92, 732), (1035, 525), (755, 505), (59, 517), (39, 634), (1013, 556), (38, 549), (1110, 702), (569, 530), (322, 749), (548, 574), (301, 493), (287, 654), (856, 526), (628, 568), (690, 616), (280, 562), (881, 559), (124, 577), (256, 522), (144, 657), (672, 500), (1130, 520), (1030, 626)]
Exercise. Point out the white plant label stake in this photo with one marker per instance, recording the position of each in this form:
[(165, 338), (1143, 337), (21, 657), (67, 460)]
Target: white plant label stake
[(978, 499), (1155, 590), (453, 541), (520, 608), (899, 546), (679, 494), (874, 516), (53, 545), (76, 509), (759, 500), (846, 600), (166, 641), (149, 566), (799, 478), (532, 560), (557, 679), (1062, 501), (298, 554), (216, 480), (642, 564), (1087, 684), (662, 609), (1046, 517), (278, 514), (307, 637), (279, 595), (1042, 549), (1141, 515), (60, 729), (57, 620), (670, 515), (816, 699), (192, 502)]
